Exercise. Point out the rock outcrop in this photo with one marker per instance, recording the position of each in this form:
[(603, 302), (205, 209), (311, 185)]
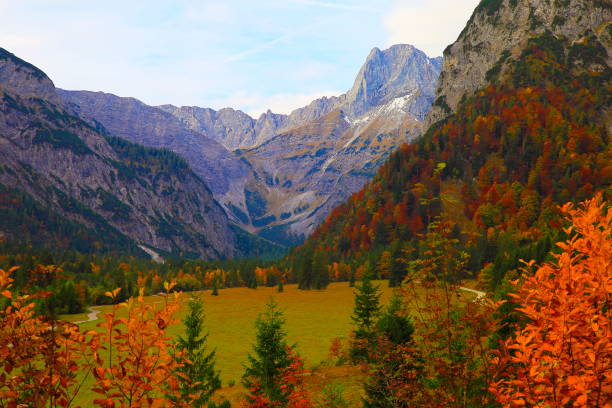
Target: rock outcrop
[(337, 144), (499, 29)]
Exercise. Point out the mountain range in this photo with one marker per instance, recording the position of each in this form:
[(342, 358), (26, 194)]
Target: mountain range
[(194, 180), (324, 151)]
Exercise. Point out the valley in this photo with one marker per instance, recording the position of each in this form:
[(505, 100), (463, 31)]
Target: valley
[(437, 236)]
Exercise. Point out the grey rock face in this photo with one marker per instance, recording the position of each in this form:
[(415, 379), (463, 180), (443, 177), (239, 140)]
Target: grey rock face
[(232, 128), (388, 74), (337, 144), (150, 126), (58, 159), (19, 76), (497, 29)]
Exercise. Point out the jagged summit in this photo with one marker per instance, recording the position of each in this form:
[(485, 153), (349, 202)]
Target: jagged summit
[(387, 74)]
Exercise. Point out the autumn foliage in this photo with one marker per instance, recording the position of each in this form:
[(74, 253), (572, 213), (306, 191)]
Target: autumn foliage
[(499, 167), (38, 358), (563, 355), (44, 362), (134, 366)]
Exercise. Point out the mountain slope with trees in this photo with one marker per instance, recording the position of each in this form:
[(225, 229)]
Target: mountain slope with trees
[(534, 136), (64, 183)]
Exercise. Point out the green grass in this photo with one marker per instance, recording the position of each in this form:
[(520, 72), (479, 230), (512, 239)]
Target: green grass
[(313, 317)]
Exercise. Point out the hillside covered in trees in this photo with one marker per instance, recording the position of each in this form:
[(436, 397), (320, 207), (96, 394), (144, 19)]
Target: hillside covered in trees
[(497, 169)]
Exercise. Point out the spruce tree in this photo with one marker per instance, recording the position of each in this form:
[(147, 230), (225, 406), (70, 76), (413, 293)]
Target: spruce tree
[(280, 286), (215, 290), (198, 364), (398, 269), (271, 355), (391, 364), (393, 324), (365, 314)]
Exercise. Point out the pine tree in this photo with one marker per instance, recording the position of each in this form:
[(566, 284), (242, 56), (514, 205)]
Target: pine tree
[(197, 364), (280, 286), (391, 363), (384, 265), (320, 274), (365, 314), (393, 324), (397, 270), (352, 278), (215, 290), (271, 355)]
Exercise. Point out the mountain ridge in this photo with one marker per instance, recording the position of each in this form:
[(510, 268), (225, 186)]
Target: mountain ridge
[(391, 94), (92, 182)]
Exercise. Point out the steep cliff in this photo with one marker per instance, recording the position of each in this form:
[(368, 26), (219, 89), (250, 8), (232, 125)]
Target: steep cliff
[(499, 30), (336, 144), (385, 75)]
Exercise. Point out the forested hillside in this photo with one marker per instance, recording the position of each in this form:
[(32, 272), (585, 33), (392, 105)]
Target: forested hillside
[(536, 137)]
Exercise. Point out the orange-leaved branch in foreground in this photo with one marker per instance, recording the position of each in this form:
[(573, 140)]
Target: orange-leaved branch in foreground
[(563, 355)]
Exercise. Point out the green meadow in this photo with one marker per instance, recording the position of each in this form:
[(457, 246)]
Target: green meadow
[(313, 319)]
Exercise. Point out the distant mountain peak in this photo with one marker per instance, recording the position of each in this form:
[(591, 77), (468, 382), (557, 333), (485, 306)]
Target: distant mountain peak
[(386, 74)]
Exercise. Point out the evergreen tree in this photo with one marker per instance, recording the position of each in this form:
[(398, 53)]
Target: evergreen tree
[(395, 378), (222, 404), (365, 314), (304, 270), (280, 286), (384, 265), (271, 355), (391, 363), (393, 324), (198, 364), (215, 290), (320, 274), (397, 268), (352, 278)]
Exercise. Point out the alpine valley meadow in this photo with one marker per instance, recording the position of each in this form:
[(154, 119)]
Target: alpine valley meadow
[(440, 235)]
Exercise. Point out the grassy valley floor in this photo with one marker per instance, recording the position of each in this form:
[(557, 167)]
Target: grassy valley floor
[(314, 319)]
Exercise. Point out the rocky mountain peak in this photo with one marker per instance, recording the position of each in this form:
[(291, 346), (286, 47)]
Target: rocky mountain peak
[(394, 72), (21, 77), (499, 29)]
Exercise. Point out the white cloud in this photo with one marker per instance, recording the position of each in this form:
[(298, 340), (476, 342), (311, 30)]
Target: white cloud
[(429, 25), (256, 104), (283, 38)]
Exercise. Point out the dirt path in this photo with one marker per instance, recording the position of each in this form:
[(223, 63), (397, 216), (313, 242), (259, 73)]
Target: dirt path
[(479, 294), (92, 316)]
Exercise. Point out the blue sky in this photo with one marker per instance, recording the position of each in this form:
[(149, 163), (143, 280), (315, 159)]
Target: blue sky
[(247, 54)]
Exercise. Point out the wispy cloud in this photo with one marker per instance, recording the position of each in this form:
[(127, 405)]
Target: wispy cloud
[(260, 47), (267, 44), (341, 6), (281, 54)]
